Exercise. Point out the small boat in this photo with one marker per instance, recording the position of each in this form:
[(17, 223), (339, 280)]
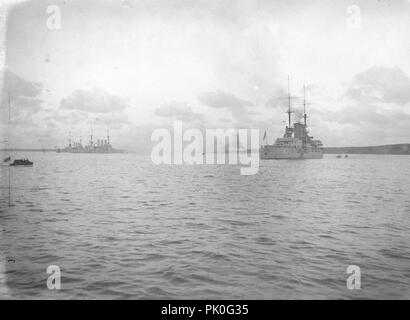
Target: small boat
[(346, 156), (6, 159), (338, 156), (21, 162)]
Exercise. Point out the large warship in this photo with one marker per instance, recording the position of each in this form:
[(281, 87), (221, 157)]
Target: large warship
[(99, 146), (296, 142)]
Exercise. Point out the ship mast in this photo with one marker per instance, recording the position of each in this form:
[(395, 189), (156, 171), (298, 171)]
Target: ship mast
[(8, 147), (304, 117), (289, 112), (237, 145), (91, 135), (304, 105)]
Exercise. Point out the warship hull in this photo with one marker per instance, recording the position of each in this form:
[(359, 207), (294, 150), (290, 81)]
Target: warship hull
[(66, 150), (278, 153), (99, 146)]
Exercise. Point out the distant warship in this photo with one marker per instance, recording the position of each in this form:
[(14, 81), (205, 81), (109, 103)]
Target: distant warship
[(296, 142), (99, 146)]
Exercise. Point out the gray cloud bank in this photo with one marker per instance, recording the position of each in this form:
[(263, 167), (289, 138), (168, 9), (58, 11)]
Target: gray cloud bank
[(179, 111), (220, 99), (93, 101), (24, 96), (382, 84), (223, 100)]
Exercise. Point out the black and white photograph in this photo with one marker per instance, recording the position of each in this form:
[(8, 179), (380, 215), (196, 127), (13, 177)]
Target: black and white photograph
[(204, 150)]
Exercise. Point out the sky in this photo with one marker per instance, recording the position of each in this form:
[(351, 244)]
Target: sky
[(137, 65)]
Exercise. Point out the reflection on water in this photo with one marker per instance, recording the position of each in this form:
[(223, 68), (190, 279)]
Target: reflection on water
[(121, 227)]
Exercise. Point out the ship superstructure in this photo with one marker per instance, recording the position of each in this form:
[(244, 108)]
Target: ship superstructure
[(99, 146), (296, 143)]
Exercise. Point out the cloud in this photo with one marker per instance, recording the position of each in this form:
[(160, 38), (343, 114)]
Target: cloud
[(76, 118), (17, 87), (179, 111), (354, 115), (24, 97), (228, 101), (278, 100), (375, 113), (220, 99), (382, 84), (93, 101), (68, 118), (112, 120)]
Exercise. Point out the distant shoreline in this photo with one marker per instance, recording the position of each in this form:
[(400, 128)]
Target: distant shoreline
[(398, 149), (403, 148), (34, 150)]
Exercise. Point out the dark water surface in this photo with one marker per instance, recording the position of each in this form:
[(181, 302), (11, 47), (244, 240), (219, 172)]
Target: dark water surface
[(121, 227)]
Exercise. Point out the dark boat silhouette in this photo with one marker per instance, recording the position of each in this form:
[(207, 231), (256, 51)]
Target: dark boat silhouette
[(21, 162)]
